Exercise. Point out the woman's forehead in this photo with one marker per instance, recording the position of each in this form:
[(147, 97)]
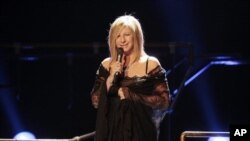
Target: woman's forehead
[(125, 29)]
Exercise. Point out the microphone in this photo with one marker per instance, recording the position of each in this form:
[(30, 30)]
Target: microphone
[(119, 58), (119, 54)]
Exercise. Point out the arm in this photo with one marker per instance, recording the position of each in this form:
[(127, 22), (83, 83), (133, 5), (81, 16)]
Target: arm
[(112, 87), (99, 85), (158, 95), (96, 91), (104, 78)]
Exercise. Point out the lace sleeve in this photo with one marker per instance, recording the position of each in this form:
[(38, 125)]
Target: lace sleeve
[(99, 84), (159, 99), (152, 91), (160, 96)]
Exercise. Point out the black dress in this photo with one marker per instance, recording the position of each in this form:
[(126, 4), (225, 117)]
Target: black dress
[(130, 119)]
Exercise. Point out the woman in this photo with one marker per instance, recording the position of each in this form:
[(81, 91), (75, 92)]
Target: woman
[(127, 102)]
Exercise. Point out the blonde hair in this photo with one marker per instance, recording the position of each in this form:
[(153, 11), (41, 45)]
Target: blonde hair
[(119, 24)]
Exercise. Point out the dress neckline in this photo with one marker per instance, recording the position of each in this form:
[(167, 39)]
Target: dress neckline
[(144, 76), (150, 73)]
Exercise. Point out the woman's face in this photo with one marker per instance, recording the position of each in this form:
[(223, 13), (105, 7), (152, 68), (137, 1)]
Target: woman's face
[(125, 40)]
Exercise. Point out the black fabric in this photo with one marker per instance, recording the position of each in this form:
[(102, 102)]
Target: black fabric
[(113, 91), (102, 120), (126, 120)]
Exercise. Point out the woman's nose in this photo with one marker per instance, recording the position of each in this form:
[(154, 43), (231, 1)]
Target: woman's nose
[(122, 39)]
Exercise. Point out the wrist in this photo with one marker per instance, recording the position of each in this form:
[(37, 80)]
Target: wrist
[(110, 80), (121, 94)]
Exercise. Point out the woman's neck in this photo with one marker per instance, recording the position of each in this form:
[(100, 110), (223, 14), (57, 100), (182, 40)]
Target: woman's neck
[(129, 59)]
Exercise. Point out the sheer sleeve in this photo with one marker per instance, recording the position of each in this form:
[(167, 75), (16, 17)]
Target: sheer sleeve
[(152, 90), (100, 82), (159, 99)]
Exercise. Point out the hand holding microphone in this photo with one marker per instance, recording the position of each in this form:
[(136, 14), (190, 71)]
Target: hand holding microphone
[(115, 74), (118, 72)]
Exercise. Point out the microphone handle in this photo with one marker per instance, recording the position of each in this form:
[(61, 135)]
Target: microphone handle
[(116, 77), (117, 74)]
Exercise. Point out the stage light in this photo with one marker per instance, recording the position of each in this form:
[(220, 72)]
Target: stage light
[(218, 139), (24, 136)]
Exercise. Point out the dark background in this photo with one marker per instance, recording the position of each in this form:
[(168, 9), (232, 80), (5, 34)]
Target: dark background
[(50, 51)]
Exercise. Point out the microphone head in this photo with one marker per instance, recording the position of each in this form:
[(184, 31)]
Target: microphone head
[(119, 50), (119, 54)]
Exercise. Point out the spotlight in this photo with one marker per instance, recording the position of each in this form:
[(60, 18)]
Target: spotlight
[(24, 135), (218, 139)]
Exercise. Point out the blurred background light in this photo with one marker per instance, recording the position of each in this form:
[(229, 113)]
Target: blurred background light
[(218, 139), (25, 135)]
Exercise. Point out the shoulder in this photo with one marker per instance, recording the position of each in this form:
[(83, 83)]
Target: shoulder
[(106, 62), (153, 62)]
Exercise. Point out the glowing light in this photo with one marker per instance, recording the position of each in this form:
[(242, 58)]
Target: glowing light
[(222, 57), (229, 63), (197, 74), (194, 76), (218, 139), (24, 136)]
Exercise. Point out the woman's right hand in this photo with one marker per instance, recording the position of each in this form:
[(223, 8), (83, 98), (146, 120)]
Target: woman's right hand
[(116, 67)]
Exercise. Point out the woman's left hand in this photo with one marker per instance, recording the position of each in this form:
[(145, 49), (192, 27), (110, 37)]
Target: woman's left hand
[(121, 94)]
